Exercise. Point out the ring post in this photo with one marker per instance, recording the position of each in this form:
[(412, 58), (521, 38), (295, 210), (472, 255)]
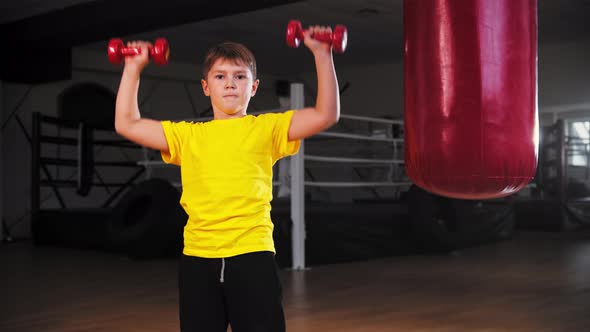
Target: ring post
[(298, 190)]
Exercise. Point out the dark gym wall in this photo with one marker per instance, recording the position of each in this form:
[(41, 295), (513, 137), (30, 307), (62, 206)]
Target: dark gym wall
[(375, 90), (55, 33), (1, 162)]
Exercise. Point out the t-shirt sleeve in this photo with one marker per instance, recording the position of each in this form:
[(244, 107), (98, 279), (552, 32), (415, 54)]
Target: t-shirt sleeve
[(176, 134), (282, 147)]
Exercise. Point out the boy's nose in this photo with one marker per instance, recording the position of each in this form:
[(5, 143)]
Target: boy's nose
[(230, 84)]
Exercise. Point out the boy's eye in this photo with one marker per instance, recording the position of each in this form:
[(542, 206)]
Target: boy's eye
[(241, 77), (218, 76)]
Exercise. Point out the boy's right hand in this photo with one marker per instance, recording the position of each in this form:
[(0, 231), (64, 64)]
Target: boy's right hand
[(138, 62)]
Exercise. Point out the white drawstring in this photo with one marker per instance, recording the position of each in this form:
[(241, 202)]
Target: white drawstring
[(222, 270)]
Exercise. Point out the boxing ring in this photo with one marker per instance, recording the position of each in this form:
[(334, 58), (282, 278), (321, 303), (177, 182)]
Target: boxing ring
[(298, 182), (352, 172), (289, 176)]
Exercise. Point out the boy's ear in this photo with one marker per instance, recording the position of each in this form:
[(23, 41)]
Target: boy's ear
[(255, 86), (205, 87)]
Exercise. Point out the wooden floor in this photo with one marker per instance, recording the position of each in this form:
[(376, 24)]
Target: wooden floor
[(536, 282)]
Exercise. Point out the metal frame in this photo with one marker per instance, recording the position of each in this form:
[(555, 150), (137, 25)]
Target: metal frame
[(298, 189), (39, 163)]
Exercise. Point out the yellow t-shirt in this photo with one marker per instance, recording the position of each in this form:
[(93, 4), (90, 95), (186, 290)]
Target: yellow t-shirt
[(226, 170)]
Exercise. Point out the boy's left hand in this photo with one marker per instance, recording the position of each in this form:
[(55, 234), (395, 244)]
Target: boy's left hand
[(315, 45)]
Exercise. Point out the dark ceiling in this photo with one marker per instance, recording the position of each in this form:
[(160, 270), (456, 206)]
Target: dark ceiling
[(375, 26)]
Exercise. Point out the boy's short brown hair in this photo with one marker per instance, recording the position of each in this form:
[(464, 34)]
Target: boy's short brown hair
[(232, 51)]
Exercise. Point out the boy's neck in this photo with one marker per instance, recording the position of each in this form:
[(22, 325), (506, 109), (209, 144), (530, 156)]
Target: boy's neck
[(224, 116)]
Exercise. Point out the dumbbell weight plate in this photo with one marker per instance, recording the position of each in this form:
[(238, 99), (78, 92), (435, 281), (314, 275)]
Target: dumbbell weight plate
[(340, 38), (113, 50), (294, 33), (160, 52)]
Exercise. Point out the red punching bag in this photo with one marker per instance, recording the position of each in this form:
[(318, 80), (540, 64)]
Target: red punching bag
[(470, 108)]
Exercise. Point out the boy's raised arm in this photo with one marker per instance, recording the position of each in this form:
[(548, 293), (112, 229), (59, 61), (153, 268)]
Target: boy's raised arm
[(128, 121), (312, 120)]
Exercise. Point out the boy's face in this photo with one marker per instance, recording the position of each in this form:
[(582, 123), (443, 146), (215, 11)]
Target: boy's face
[(230, 87)]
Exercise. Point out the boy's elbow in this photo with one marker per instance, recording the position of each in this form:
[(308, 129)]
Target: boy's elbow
[(121, 128), (334, 118), (118, 127), (331, 120)]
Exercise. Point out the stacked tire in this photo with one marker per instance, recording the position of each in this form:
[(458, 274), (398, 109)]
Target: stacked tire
[(442, 224), (148, 221)]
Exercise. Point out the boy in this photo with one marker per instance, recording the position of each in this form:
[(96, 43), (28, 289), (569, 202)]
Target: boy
[(227, 272)]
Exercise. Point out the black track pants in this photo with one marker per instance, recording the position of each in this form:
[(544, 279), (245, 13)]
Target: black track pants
[(243, 291)]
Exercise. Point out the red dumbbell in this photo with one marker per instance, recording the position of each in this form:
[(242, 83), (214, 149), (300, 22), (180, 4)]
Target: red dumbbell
[(337, 38), (117, 51)]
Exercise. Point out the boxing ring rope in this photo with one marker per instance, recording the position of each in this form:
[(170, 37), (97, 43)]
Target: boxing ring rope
[(296, 181), (360, 137), (354, 160), (356, 184)]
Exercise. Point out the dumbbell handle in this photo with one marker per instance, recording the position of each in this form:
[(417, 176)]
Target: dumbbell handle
[(337, 38), (117, 51), (134, 51), (327, 37)]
